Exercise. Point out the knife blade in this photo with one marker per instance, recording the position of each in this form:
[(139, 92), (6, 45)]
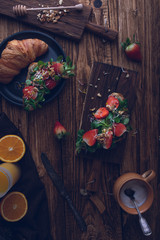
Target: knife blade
[(57, 181)]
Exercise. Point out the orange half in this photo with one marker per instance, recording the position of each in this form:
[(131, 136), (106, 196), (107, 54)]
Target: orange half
[(12, 148), (14, 206)]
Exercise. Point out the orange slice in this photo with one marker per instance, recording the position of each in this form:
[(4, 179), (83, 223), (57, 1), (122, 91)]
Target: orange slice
[(14, 206), (12, 148)]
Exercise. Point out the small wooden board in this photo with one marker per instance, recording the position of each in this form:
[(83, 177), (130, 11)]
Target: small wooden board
[(71, 25), (104, 80)]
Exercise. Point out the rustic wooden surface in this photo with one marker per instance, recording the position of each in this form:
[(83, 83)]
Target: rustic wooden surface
[(70, 25), (138, 17)]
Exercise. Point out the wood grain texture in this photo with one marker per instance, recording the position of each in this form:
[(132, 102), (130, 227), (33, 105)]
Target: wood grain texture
[(138, 17), (104, 80), (70, 25)]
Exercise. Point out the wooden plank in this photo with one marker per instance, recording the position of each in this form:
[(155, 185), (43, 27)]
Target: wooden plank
[(70, 25), (140, 18), (104, 80)]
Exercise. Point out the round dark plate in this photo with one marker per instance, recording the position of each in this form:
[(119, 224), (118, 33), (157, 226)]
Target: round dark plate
[(12, 91)]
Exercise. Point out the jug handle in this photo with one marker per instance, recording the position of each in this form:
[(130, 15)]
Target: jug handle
[(149, 175)]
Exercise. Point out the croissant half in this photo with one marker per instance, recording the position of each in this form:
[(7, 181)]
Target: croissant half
[(19, 54)]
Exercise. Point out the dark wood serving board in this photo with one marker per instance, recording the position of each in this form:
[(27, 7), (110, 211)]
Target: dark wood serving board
[(104, 80), (71, 25)]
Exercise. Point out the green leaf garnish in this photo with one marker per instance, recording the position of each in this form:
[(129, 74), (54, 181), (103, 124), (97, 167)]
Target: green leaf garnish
[(40, 63), (28, 82), (59, 59), (125, 121)]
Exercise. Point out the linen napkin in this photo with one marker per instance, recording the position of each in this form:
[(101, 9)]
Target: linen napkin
[(35, 225)]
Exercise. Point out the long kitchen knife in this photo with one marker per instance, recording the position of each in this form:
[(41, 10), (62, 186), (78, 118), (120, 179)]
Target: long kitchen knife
[(61, 189)]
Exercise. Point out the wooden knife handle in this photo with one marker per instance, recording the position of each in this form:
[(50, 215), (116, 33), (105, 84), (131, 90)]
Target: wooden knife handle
[(98, 203), (99, 30)]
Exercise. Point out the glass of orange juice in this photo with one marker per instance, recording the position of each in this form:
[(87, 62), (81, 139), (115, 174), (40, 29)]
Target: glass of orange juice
[(9, 175)]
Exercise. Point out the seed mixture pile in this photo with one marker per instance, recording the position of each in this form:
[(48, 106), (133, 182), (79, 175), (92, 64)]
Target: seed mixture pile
[(51, 15)]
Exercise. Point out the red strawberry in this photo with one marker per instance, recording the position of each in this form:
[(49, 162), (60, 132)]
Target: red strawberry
[(58, 68), (132, 50), (101, 113), (108, 139), (112, 103), (59, 131), (119, 129), (50, 83), (90, 137), (30, 92), (63, 68)]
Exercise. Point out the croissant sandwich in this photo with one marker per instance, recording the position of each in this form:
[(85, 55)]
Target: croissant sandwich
[(19, 54)]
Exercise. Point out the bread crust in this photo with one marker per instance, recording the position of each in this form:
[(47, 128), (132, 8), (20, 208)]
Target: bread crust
[(17, 55)]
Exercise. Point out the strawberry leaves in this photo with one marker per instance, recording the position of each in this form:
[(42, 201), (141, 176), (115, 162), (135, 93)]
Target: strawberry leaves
[(126, 44)]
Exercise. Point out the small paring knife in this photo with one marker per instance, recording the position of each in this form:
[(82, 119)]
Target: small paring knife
[(61, 189)]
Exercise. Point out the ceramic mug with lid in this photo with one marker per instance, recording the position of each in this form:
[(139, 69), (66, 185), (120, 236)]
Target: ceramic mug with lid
[(143, 192)]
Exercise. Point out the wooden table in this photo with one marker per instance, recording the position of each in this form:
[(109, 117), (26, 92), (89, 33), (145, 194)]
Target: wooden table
[(141, 153)]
